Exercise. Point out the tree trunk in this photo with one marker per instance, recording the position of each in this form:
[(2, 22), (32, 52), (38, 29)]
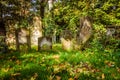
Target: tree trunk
[(42, 7), (17, 41)]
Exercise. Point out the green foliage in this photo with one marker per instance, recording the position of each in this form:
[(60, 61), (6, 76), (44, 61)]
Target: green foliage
[(66, 15), (97, 62), (23, 23), (49, 25)]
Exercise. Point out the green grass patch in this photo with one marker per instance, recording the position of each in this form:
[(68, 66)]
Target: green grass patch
[(57, 64)]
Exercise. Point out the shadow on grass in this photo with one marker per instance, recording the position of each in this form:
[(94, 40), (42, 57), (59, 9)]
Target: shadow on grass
[(33, 72), (34, 65), (36, 72)]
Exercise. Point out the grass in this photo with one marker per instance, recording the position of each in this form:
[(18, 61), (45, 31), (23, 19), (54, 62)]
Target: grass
[(58, 64)]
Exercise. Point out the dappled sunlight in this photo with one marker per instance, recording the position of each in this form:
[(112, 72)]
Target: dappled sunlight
[(60, 40), (51, 64)]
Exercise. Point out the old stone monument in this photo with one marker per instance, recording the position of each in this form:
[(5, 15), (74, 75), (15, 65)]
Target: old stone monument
[(22, 38), (112, 33), (36, 30), (85, 31), (44, 43), (66, 40)]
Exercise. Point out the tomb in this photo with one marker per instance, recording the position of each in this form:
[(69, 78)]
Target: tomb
[(36, 30), (112, 36), (84, 32), (66, 44), (67, 40), (44, 43), (113, 31), (22, 38)]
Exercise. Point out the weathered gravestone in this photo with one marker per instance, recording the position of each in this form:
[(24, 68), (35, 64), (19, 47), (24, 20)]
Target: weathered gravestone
[(44, 43), (85, 31), (113, 32), (36, 30), (22, 38), (66, 40)]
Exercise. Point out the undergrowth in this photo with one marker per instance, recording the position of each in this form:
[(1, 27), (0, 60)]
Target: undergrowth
[(57, 64)]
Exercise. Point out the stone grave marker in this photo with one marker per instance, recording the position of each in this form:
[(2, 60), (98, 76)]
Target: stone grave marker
[(44, 43), (22, 38), (66, 40), (85, 31), (36, 30)]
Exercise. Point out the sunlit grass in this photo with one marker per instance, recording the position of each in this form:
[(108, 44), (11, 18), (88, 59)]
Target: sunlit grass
[(59, 64)]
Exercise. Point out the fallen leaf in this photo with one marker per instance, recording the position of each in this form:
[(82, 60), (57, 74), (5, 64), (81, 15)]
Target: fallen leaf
[(35, 75), (12, 78), (5, 70), (14, 58), (18, 62), (32, 78), (31, 59), (56, 69), (118, 69), (98, 78), (79, 70), (70, 79), (16, 74), (51, 77), (76, 76), (103, 76), (113, 75), (56, 56), (58, 78)]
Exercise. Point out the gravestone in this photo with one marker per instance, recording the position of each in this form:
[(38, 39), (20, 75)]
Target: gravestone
[(66, 40), (112, 36), (44, 43), (113, 31), (110, 32), (85, 31), (22, 38), (36, 30), (67, 44)]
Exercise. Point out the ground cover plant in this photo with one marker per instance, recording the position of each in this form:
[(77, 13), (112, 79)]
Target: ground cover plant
[(57, 64)]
